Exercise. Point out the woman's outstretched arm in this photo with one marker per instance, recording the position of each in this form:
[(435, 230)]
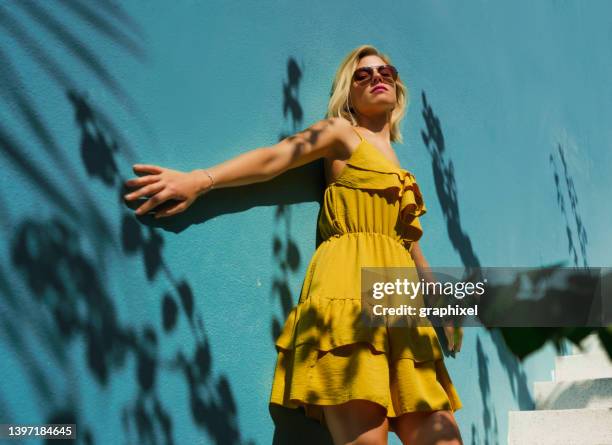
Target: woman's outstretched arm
[(256, 165)]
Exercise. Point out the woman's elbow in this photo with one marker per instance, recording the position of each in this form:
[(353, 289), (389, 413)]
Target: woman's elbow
[(272, 163)]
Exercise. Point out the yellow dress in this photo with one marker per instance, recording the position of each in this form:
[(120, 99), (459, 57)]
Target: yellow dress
[(326, 354)]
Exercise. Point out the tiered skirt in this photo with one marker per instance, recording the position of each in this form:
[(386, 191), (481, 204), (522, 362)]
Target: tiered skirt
[(400, 368)]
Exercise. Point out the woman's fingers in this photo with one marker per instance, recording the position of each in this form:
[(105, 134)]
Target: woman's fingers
[(180, 207), (454, 335), (142, 180), (153, 202), (147, 168), (160, 185), (449, 330), (459, 336), (451, 338), (145, 191)]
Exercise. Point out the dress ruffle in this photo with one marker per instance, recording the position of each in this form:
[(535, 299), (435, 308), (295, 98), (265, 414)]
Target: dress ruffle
[(328, 323), (363, 172), (308, 377)]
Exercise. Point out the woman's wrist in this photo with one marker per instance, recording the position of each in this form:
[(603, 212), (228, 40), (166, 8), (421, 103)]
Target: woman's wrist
[(205, 180)]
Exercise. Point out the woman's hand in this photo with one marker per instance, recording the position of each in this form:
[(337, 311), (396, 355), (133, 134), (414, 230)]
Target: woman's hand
[(162, 184), (454, 336)]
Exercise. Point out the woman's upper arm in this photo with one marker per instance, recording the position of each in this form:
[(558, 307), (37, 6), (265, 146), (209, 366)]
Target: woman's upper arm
[(317, 141)]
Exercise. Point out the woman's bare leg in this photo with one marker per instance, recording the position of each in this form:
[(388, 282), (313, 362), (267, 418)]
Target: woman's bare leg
[(428, 428), (357, 422)]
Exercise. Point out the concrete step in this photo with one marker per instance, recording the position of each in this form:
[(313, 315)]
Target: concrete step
[(573, 394), (588, 343), (560, 427), (582, 367), (591, 345)]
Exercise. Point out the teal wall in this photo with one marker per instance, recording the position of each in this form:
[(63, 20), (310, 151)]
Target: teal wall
[(162, 332)]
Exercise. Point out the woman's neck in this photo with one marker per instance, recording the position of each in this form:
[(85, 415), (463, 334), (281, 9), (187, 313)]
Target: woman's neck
[(379, 125)]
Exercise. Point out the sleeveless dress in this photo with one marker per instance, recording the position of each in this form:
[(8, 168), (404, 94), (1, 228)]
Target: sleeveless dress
[(326, 354)]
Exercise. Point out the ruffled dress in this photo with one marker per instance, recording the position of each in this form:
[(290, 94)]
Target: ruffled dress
[(327, 354)]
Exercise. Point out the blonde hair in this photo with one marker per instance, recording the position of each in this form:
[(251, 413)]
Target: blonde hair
[(339, 106)]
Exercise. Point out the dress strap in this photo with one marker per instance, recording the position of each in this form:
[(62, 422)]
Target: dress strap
[(358, 134)]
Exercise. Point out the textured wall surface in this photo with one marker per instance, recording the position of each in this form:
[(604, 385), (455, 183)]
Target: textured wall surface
[(162, 332)]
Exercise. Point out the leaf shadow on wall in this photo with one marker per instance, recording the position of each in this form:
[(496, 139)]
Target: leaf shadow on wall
[(291, 426), (448, 196), (56, 295)]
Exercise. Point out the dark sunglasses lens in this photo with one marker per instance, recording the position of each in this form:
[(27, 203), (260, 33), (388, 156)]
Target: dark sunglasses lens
[(362, 74), (388, 72)]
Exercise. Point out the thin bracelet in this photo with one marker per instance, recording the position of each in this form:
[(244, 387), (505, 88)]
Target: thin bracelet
[(212, 180)]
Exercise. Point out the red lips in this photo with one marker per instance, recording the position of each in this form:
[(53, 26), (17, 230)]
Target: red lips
[(378, 87)]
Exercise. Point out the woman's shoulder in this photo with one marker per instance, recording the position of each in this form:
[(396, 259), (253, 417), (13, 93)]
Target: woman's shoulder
[(338, 124), (344, 132), (345, 136)]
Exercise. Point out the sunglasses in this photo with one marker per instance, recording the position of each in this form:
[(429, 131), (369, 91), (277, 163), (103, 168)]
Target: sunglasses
[(365, 73)]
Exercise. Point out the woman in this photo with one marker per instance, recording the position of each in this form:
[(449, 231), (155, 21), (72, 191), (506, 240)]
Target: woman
[(360, 381)]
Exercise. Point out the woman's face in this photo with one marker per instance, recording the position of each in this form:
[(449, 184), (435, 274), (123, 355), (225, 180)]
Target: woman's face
[(375, 96)]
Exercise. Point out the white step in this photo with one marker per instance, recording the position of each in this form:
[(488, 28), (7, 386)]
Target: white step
[(560, 427), (592, 393), (582, 367), (590, 344)]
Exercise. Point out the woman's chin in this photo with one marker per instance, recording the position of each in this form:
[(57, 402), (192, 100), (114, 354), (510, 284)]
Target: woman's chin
[(381, 109)]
